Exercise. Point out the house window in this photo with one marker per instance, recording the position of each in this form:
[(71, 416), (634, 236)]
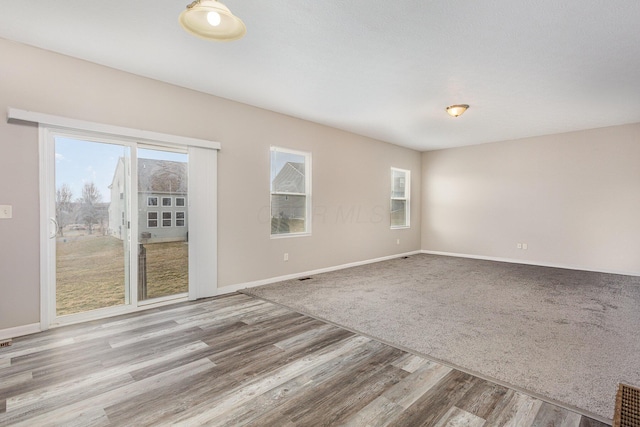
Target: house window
[(152, 201), (122, 217), (152, 219), (166, 201), (179, 219), (179, 201), (290, 192), (400, 198), (166, 219)]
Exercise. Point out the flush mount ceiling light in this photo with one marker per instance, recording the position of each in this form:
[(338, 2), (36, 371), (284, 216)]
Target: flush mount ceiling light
[(457, 110), (211, 20)]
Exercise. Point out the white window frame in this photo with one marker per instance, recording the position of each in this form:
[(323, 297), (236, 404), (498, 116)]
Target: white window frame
[(163, 198), (183, 219), (183, 202), (149, 204), (406, 198), (149, 219), (307, 193), (163, 219)]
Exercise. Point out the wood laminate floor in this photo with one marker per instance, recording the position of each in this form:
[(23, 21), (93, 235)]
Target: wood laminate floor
[(236, 360)]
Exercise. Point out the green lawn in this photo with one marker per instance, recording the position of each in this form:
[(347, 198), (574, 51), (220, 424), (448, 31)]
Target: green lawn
[(90, 272)]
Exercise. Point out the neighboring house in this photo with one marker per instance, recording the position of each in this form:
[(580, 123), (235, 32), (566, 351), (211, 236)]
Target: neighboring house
[(288, 201), (118, 205), (162, 201)]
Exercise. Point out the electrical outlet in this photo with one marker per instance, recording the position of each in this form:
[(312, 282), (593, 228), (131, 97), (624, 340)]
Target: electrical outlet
[(525, 246), (5, 211), (286, 256), (519, 245), (397, 241)]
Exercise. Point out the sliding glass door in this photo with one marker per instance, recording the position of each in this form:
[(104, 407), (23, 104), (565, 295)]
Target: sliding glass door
[(163, 224), (118, 226), (117, 208), (90, 225)]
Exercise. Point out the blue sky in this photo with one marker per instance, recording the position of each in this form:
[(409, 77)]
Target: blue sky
[(78, 162)]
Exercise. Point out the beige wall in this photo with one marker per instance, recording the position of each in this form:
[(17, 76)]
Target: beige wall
[(574, 198), (350, 173)]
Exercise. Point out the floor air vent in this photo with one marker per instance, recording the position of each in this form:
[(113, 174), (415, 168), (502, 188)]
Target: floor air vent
[(304, 278), (5, 343), (627, 407)]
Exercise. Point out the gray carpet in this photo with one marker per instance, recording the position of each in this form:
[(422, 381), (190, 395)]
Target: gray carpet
[(571, 336)]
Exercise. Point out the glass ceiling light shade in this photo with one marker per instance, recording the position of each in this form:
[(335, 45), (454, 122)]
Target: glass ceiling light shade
[(211, 20), (457, 110)]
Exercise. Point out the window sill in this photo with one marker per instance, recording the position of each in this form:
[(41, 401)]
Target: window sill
[(400, 227), (289, 235)]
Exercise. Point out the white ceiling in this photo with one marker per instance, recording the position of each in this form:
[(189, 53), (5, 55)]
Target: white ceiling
[(377, 68)]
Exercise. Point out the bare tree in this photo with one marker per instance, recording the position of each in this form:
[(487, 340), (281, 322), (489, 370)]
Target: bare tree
[(64, 206), (90, 212)]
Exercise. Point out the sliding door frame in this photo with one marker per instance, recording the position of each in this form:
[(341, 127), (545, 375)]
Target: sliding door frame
[(48, 239), (203, 268)]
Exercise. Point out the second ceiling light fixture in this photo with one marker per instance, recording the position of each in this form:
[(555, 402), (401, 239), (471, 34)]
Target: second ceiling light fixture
[(212, 20)]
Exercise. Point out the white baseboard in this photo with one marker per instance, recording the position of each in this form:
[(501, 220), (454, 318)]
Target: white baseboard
[(521, 261), (19, 331), (239, 286)]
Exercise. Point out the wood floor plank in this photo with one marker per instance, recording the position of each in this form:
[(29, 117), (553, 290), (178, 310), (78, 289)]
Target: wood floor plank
[(279, 358), (411, 363), (330, 395), (249, 339), (133, 353), (456, 417), (226, 341), (167, 403), (59, 357), (551, 415), (66, 400), (260, 316), (590, 422), (396, 399), (11, 381), (224, 313), (68, 413), (436, 401), (87, 381), (515, 410), (341, 403), (239, 396), (16, 352), (236, 360), (276, 406), (482, 398), (304, 337)]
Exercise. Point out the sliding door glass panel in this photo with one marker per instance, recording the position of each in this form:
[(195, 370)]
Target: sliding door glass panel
[(91, 214), (163, 224)]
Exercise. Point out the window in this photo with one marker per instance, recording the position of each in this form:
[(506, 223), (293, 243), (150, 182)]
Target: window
[(166, 201), (152, 219), (179, 201), (179, 219), (400, 194), (290, 192), (166, 219), (152, 201)]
